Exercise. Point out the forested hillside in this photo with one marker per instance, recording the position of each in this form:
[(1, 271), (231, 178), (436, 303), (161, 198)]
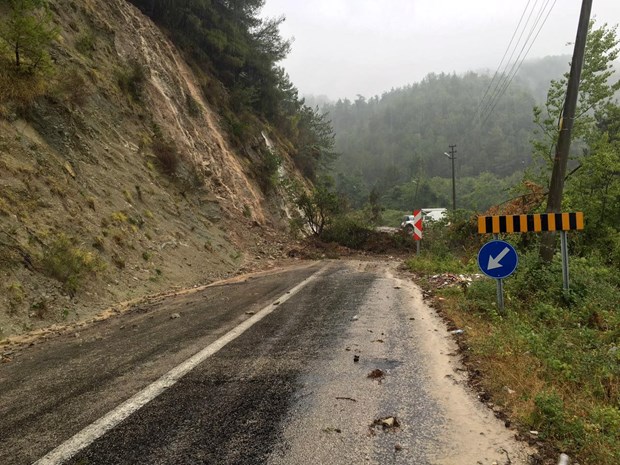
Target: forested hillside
[(237, 53), (136, 157), (394, 144), (400, 137)]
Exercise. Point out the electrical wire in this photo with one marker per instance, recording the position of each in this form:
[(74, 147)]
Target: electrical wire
[(486, 92), (516, 71), (505, 75)]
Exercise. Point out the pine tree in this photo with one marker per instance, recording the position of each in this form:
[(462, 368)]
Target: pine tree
[(27, 33)]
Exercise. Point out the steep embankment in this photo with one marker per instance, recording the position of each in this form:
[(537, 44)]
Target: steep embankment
[(119, 182)]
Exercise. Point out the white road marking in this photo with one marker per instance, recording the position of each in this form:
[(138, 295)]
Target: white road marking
[(95, 430)]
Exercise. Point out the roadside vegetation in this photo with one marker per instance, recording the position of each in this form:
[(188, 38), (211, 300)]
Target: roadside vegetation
[(551, 360)]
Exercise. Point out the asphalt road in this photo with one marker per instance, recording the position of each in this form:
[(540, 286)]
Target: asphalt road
[(285, 391)]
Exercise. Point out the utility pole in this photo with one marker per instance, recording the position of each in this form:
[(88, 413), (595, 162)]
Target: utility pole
[(556, 186), (452, 156)]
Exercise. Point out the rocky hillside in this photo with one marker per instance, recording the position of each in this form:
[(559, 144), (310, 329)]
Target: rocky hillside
[(117, 181)]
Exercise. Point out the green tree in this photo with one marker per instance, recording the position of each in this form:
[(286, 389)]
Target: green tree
[(315, 141), (27, 33), (596, 92), (374, 201), (318, 206)]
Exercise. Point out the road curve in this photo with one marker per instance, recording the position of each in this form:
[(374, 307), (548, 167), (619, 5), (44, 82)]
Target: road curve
[(285, 391)]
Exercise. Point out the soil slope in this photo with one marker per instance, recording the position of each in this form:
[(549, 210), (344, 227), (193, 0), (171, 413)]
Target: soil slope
[(92, 209)]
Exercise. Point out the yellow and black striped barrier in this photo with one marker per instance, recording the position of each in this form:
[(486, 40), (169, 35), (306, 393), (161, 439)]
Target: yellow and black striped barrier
[(530, 223)]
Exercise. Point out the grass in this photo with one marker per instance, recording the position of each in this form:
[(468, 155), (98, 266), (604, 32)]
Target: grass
[(428, 264), (131, 80), (70, 264), (551, 360)]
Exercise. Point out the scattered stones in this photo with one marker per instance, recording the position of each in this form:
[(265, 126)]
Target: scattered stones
[(456, 332), (250, 313), (355, 318), (509, 391), (448, 280), (356, 358), (329, 429), (386, 423), (376, 374)]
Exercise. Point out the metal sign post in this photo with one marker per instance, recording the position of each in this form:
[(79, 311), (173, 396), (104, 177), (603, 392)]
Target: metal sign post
[(498, 260), (500, 287), (564, 248)]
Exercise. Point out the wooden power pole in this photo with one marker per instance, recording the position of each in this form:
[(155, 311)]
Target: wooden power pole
[(452, 156), (556, 186)]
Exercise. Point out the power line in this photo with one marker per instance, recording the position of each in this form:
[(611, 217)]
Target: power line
[(504, 76), (522, 60), (486, 92)]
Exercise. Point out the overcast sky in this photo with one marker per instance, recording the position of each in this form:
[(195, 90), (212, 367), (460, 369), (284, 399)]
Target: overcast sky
[(343, 48)]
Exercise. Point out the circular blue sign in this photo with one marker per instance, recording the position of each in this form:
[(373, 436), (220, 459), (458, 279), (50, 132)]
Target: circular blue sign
[(498, 259)]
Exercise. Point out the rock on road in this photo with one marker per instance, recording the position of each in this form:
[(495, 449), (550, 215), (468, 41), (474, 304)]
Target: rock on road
[(288, 390)]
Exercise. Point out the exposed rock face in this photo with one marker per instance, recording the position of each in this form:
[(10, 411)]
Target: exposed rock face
[(88, 217)]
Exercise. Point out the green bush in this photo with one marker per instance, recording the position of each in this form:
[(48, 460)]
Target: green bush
[(85, 43), (131, 80), (348, 231), (70, 264), (267, 170)]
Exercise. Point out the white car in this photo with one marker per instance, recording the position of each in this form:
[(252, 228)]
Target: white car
[(428, 214), (407, 223)]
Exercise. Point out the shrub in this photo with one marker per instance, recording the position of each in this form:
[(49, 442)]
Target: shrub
[(69, 264), (15, 295), (85, 43), (193, 107), (131, 80), (318, 207), (167, 155), (347, 231), (267, 170)]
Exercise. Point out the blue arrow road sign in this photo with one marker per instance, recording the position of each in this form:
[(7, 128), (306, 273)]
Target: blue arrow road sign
[(497, 259)]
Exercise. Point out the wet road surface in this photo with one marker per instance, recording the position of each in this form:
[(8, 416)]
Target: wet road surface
[(286, 391)]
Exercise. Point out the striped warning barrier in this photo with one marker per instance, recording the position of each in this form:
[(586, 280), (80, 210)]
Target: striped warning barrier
[(530, 223)]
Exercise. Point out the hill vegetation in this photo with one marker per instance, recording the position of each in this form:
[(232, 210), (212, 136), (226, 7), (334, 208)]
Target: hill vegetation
[(236, 54), (131, 163), (396, 142)]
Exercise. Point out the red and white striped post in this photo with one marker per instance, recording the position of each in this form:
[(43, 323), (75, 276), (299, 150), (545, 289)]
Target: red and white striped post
[(417, 229)]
